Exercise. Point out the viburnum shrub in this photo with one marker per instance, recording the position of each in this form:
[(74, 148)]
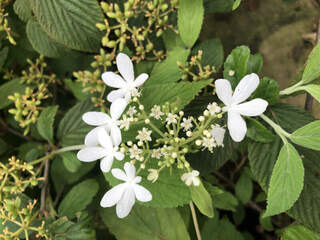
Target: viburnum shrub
[(186, 149)]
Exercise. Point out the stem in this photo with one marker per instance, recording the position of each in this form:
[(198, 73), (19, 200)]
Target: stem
[(195, 221), (291, 89), (282, 133)]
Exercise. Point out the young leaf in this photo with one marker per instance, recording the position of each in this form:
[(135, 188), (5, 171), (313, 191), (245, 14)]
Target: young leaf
[(45, 123), (190, 18), (313, 89), (286, 181), (72, 23), (236, 4), (145, 223), (312, 70), (202, 199), (9, 88), (258, 132), (235, 66), (308, 136), (78, 198), (70, 161), (255, 64), (244, 188), (268, 90)]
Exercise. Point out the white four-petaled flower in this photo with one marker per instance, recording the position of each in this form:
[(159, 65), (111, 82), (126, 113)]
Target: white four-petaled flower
[(125, 194), (106, 151), (191, 178), (218, 133), (126, 84), (234, 106)]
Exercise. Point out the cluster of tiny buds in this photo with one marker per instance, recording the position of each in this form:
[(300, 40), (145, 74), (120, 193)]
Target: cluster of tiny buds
[(4, 24)]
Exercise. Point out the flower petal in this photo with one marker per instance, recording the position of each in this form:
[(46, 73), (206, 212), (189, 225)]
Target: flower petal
[(113, 196), (126, 203), (117, 108), (252, 108), (95, 118), (119, 156), (104, 139), (115, 94), (237, 126), (91, 139), (91, 154), (224, 90), (140, 79), (113, 80), (115, 135), (106, 163), (125, 67), (130, 170), (142, 194), (119, 174), (245, 88)]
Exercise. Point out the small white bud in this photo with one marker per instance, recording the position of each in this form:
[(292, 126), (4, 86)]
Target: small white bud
[(133, 162), (174, 155), (135, 99), (206, 113), (147, 121), (181, 113), (201, 118), (141, 107), (171, 132), (130, 143), (198, 142), (231, 73), (143, 166), (140, 143), (123, 150), (189, 133)]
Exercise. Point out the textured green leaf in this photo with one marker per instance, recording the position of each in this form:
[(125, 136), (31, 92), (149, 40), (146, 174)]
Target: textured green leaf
[(258, 132), (298, 232), (167, 192), (190, 18), (45, 123), (235, 66), (146, 223), (23, 9), (41, 42), (172, 40), (244, 188), (212, 52), (202, 199), (313, 89), (312, 70), (78, 198), (9, 88), (268, 90), (72, 129), (70, 161), (255, 64), (77, 89), (71, 23), (286, 181), (308, 136)]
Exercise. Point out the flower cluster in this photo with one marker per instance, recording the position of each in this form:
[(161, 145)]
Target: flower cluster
[(4, 24), (167, 146)]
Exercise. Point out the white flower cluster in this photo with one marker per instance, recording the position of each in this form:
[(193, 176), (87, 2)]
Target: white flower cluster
[(103, 141)]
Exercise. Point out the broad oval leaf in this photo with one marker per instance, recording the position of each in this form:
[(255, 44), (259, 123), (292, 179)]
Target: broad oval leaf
[(313, 89), (298, 232), (9, 88), (70, 161), (202, 199), (308, 136), (312, 70), (45, 123), (268, 90), (244, 188), (258, 132)]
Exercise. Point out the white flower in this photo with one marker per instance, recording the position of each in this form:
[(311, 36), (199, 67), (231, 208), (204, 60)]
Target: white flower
[(106, 151), (186, 124), (213, 108), (236, 124), (127, 84), (153, 175), (125, 123), (132, 111), (156, 153), (156, 112), (125, 194), (135, 152), (144, 135), (100, 119), (172, 118), (208, 143), (218, 133), (191, 178)]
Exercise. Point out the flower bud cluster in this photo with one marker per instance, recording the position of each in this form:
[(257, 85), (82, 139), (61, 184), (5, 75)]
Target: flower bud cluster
[(4, 25)]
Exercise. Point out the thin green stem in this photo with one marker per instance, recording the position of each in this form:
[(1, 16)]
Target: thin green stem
[(280, 131), (291, 89)]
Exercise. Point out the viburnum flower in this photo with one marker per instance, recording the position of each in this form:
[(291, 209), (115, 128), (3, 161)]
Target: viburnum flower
[(156, 112), (218, 133), (187, 124), (144, 134), (191, 178), (135, 152), (153, 175), (132, 111), (213, 108), (106, 151), (234, 106), (100, 119), (172, 118), (126, 84), (125, 194)]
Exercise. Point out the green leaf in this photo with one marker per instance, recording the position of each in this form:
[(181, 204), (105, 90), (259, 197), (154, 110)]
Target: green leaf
[(298, 232), (190, 18), (3, 56), (236, 4), (244, 188), (78, 198), (70, 161), (168, 70), (312, 70), (71, 23), (167, 192), (258, 132), (3, 146), (255, 64), (72, 129), (172, 40), (41, 42), (286, 181), (235, 66), (182, 93), (202, 199), (146, 223), (45, 123), (218, 6), (77, 89), (313, 89), (268, 90), (212, 52), (308, 136), (266, 223), (9, 88), (23, 9)]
